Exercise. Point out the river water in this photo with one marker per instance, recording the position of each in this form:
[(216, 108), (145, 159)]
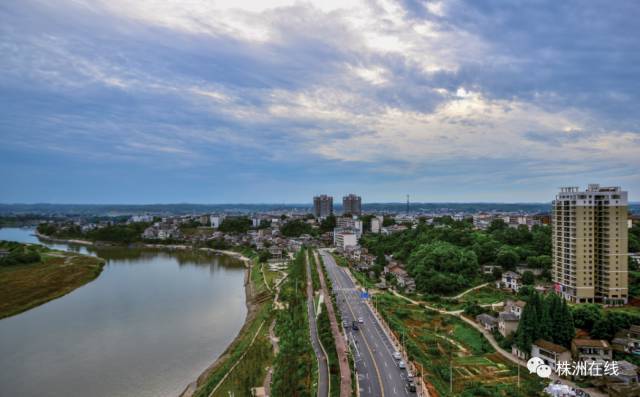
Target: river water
[(147, 326)]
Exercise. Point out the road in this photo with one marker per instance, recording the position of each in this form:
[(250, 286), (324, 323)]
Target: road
[(323, 368), (378, 373)]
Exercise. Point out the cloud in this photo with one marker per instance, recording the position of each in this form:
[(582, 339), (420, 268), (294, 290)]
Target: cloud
[(400, 88)]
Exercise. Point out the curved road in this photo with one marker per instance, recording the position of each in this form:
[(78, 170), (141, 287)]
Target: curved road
[(323, 369), (378, 373)]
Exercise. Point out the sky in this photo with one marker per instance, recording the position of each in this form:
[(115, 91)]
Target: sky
[(167, 101)]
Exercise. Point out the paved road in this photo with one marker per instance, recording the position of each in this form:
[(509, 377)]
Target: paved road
[(378, 373), (323, 369)]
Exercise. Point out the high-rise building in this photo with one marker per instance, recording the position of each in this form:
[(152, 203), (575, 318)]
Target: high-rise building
[(322, 206), (352, 204), (590, 239)]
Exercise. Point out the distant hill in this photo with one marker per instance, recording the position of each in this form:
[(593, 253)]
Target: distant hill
[(179, 209)]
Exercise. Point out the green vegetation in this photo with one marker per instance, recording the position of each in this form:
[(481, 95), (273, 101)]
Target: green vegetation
[(233, 224), (603, 323), (547, 318), (118, 233), (328, 224), (329, 344), (446, 257), (18, 254), (51, 275), (440, 342), (250, 352), (294, 370), (296, 228), (315, 278)]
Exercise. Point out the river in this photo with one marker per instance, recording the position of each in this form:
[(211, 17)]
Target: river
[(149, 325)]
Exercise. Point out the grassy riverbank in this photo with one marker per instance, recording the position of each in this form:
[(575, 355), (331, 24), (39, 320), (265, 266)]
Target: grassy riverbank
[(56, 273), (243, 365)]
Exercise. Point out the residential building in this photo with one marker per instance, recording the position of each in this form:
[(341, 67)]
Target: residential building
[(511, 280), (350, 223), (550, 353), (487, 321), (376, 224), (322, 206), (591, 350), (216, 220), (515, 307), (507, 323), (343, 238), (627, 340), (352, 204), (589, 237)]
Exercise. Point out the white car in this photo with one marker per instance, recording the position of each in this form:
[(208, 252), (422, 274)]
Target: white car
[(397, 355), (401, 364), (360, 320)]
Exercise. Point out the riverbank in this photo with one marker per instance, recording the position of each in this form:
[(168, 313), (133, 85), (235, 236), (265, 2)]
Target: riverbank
[(55, 275), (233, 254), (253, 336)]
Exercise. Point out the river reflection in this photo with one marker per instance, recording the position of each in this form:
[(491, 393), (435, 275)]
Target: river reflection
[(147, 326)]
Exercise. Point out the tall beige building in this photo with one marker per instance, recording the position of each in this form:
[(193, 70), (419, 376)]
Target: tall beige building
[(590, 244)]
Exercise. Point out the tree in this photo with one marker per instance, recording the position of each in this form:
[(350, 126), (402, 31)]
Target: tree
[(388, 221), (328, 224), (528, 278), (496, 273), (507, 258), (586, 315), (566, 329), (296, 228)]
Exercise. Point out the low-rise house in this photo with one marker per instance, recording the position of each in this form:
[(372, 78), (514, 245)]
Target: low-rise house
[(627, 340), (627, 373), (4, 253), (591, 350), (550, 353), (487, 321), (507, 323), (510, 280), (515, 307)]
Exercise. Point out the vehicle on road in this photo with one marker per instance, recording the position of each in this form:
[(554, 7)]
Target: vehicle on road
[(397, 355), (402, 365), (360, 320), (354, 326), (411, 386)]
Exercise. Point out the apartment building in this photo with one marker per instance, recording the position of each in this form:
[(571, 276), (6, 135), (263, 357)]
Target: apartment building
[(352, 204), (590, 244), (322, 206)]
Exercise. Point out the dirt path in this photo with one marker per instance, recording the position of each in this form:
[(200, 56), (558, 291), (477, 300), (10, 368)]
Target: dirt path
[(341, 346), (460, 295)]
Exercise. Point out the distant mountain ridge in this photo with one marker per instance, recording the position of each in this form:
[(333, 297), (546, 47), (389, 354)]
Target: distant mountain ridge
[(185, 208)]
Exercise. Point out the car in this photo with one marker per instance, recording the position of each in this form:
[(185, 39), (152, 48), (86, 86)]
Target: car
[(360, 320), (402, 365), (411, 386), (397, 355), (409, 375), (345, 324), (354, 326)]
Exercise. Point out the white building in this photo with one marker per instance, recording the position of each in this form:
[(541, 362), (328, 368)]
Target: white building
[(216, 220), (375, 225), (344, 238)]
